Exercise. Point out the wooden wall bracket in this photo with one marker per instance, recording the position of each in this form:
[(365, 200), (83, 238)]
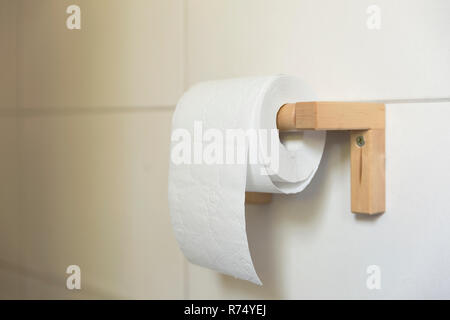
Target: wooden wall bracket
[(366, 123)]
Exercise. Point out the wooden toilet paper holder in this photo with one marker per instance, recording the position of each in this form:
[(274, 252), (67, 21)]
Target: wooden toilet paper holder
[(366, 123)]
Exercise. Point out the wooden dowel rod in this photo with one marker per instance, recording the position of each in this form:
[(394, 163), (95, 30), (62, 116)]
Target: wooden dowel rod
[(286, 117)]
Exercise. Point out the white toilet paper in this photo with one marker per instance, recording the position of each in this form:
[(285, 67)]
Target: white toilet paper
[(207, 189)]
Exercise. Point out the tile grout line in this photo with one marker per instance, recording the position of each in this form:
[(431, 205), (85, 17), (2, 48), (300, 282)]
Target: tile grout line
[(64, 111), (29, 111)]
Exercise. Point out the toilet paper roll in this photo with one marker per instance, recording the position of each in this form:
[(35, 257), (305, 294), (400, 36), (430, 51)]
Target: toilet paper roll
[(211, 168)]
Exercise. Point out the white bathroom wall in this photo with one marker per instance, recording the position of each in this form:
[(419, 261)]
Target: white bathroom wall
[(310, 245), (325, 42), (91, 146)]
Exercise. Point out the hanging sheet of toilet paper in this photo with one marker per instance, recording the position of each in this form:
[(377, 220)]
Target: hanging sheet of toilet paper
[(207, 185)]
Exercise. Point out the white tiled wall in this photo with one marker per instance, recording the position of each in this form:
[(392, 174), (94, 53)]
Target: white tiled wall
[(91, 149), (84, 160), (327, 43), (310, 245)]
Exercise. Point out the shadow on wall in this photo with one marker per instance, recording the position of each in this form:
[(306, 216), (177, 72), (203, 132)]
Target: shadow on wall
[(302, 212)]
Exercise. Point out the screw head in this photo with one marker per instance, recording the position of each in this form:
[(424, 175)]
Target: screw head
[(360, 141)]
